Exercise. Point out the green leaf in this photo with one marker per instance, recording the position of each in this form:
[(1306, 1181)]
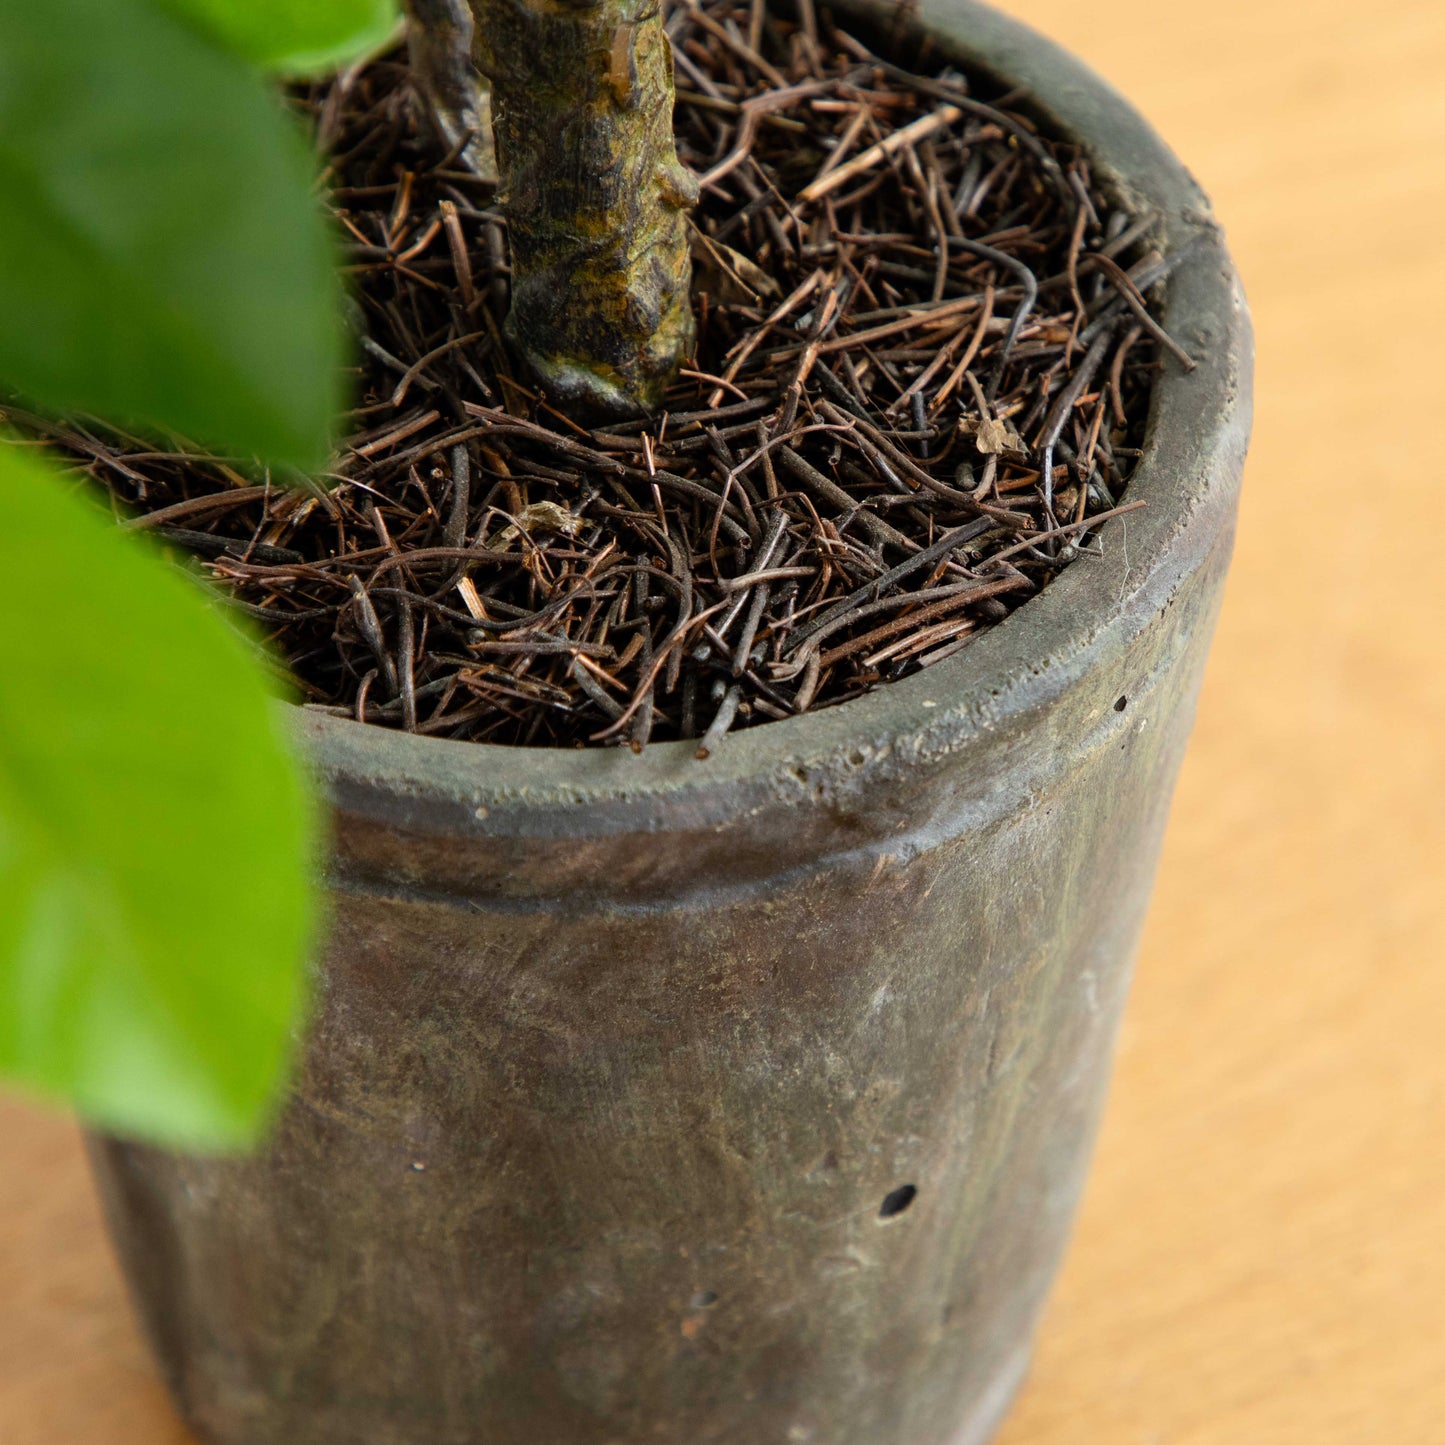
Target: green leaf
[(156, 833), (162, 257), (296, 37)]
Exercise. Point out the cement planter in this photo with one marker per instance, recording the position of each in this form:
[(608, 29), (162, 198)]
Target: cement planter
[(745, 1101)]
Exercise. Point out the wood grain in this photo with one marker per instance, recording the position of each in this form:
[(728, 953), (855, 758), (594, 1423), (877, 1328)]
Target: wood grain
[(1261, 1256)]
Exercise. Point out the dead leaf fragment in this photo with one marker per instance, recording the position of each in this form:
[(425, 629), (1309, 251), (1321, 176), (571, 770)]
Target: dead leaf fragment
[(727, 275), (995, 437), (539, 517)]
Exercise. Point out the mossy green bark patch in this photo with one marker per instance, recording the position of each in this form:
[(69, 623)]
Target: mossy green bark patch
[(595, 197)]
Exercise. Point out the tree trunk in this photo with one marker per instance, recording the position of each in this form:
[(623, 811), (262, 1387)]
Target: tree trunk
[(594, 195), (439, 40)]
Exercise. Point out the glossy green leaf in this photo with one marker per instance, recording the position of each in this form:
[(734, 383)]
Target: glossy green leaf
[(156, 833), (162, 256), (297, 37)]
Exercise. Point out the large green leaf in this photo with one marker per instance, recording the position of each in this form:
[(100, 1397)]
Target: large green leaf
[(295, 36), (156, 833), (162, 257)]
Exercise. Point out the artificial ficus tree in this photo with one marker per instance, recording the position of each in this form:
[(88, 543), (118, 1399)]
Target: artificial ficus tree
[(595, 197), (157, 834)]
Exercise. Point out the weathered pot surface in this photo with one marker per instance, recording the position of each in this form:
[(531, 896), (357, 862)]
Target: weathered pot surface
[(737, 1101)]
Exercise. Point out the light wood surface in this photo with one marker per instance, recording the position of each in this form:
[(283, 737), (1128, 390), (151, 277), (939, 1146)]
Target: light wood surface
[(1261, 1254)]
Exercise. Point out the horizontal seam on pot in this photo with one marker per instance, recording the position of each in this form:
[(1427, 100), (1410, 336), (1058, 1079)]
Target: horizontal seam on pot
[(999, 809)]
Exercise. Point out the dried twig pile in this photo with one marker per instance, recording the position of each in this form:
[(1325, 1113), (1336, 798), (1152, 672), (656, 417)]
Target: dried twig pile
[(922, 373)]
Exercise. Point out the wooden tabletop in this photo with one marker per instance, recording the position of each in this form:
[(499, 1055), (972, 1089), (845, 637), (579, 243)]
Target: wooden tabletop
[(1261, 1255)]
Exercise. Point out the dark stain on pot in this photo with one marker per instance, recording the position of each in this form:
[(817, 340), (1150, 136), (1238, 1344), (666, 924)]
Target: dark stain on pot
[(897, 1200)]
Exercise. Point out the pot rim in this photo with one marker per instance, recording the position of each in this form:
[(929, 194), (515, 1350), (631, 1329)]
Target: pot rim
[(1197, 429)]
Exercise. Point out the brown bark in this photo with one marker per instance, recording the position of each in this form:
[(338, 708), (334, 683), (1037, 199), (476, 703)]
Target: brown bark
[(439, 40), (594, 195)]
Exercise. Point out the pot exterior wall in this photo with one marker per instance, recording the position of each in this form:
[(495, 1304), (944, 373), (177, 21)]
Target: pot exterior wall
[(739, 1102), (615, 1174)]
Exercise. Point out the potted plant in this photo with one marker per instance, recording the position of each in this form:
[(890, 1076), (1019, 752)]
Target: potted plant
[(743, 1091)]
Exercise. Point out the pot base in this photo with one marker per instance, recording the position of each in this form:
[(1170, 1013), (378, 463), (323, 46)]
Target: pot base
[(984, 1420)]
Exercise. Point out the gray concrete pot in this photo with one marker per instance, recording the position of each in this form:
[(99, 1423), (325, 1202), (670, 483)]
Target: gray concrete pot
[(744, 1101)]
